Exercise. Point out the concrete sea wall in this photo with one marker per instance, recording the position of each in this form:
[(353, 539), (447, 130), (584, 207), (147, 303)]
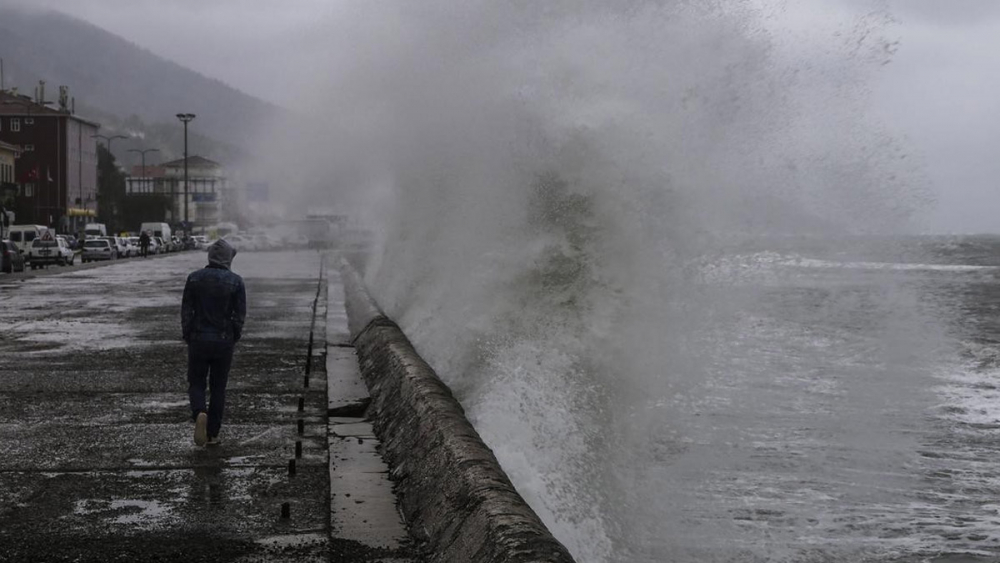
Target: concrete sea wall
[(454, 496)]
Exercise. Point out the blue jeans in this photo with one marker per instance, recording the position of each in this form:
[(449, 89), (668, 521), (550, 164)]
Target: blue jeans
[(211, 361)]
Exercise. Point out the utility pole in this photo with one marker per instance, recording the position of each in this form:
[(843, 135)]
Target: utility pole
[(186, 118)]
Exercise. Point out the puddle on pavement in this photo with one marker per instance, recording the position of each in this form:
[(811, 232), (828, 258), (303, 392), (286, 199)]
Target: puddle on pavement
[(243, 460), (160, 405), (138, 514), (138, 462)]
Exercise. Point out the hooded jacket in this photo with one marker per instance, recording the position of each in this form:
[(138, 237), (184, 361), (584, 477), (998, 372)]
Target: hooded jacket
[(215, 303)]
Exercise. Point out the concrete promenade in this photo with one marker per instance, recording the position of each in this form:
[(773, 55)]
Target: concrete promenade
[(97, 461)]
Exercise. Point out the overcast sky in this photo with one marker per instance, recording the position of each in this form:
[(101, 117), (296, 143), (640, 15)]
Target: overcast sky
[(942, 90), (940, 93)]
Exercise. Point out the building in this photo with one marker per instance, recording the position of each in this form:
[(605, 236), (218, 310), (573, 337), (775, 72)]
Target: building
[(8, 187), (207, 191), (56, 163)]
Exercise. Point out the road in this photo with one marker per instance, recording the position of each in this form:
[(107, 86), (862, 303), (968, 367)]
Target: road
[(78, 264), (96, 455)]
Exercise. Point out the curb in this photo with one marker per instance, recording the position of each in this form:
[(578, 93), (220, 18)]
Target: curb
[(454, 495)]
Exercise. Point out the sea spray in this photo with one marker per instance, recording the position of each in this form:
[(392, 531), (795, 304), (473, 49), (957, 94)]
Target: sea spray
[(552, 181)]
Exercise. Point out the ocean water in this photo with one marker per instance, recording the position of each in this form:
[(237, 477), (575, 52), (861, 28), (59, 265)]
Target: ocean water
[(826, 400), (846, 410)]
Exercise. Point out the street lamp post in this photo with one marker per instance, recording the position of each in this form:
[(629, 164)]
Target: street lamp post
[(185, 118), (108, 140), (143, 153)]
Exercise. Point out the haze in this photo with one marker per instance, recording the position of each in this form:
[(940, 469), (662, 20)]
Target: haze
[(938, 93)]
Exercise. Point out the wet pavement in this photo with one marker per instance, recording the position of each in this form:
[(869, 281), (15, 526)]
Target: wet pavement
[(97, 461)]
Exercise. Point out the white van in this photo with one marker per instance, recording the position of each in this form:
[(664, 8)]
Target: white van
[(22, 235), (93, 230), (161, 230)]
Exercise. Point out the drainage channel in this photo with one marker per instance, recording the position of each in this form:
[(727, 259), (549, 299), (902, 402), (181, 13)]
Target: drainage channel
[(301, 414), (365, 522)]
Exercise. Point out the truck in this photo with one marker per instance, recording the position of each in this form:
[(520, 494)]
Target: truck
[(93, 230), (22, 235), (161, 230)]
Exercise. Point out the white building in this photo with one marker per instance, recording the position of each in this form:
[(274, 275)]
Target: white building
[(206, 191)]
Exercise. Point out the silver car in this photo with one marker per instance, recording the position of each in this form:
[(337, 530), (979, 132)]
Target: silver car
[(99, 249)]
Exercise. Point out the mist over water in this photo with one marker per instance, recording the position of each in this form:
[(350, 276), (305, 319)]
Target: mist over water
[(570, 200)]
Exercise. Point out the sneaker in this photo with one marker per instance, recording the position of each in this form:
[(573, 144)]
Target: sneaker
[(214, 441), (201, 429)]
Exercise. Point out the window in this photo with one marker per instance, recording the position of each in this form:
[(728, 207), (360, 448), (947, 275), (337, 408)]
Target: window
[(29, 120), (29, 148), (15, 125)]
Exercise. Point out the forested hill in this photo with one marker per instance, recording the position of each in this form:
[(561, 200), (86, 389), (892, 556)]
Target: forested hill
[(108, 73)]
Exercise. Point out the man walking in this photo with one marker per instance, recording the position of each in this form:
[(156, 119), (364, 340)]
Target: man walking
[(144, 243), (212, 314)]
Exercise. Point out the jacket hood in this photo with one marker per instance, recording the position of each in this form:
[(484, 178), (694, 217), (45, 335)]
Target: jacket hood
[(220, 253)]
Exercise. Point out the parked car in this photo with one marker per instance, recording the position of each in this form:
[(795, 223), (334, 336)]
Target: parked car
[(131, 250), (161, 245), (44, 252), (298, 241), (99, 249), (119, 245), (70, 241), (200, 242), (240, 242), (263, 242), (154, 246), (11, 258), (137, 248)]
